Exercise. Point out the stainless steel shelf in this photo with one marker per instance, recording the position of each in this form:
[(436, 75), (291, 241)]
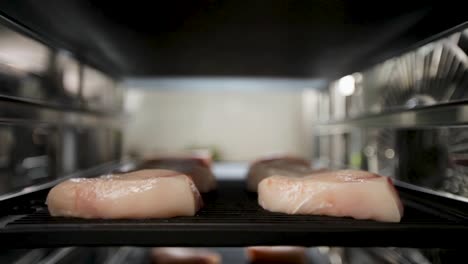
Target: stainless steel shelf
[(453, 114), (19, 112)]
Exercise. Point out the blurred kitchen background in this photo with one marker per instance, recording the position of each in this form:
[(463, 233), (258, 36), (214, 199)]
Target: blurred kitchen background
[(238, 124)]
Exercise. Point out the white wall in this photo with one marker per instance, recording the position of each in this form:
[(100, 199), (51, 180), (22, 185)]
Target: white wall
[(243, 125)]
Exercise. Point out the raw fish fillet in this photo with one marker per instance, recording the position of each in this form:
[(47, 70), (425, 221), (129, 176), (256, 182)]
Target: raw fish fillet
[(184, 256), (276, 254), (280, 165), (197, 168), (135, 195), (343, 193)]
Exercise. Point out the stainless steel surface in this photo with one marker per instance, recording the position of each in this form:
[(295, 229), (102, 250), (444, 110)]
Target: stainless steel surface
[(99, 92), (436, 116), (58, 116), (383, 255), (33, 153), (20, 113), (29, 156), (48, 183), (432, 192), (431, 158), (32, 72), (57, 256), (431, 74), (33, 256), (128, 255), (406, 118)]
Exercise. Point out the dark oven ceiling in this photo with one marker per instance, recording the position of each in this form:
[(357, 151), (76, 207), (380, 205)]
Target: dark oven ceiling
[(313, 39)]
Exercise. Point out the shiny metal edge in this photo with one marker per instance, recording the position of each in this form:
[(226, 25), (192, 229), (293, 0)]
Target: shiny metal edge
[(436, 116), (431, 72), (57, 255), (19, 27), (81, 174), (52, 105), (446, 33), (51, 58), (17, 113), (430, 191)]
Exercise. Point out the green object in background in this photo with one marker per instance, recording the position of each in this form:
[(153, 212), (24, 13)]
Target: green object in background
[(212, 150), (356, 160), (215, 154)]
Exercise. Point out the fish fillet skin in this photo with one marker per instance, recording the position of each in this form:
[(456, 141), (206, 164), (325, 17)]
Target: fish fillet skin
[(276, 254), (197, 168), (176, 255), (344, 193), (281, 165), (136, 195)]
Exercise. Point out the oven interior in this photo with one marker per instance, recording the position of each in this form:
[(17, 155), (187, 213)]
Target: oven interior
[(87, 89)]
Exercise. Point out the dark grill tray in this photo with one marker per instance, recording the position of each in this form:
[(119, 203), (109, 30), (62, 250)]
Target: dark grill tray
[(232, 217)]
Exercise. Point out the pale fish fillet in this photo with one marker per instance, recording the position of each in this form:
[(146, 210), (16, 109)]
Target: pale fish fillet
[(276, 254), (344, 193), (135, 195), (197, 168), (175, 255), (281, 165)]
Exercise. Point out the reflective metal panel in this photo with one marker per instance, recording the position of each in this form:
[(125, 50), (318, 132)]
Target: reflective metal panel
[(37, 154), (432, 116), (434, 158), (24, 66), (96, 146), (99, 91), (58, 116), (34, 72), (28, 156), (69, 76), (22, 53), (432, 74), (15, 112)]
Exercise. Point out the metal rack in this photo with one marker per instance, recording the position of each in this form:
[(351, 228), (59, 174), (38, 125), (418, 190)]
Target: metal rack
[(232, 217)]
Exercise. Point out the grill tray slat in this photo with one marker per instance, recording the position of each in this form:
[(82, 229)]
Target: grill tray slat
[(232, 217)]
